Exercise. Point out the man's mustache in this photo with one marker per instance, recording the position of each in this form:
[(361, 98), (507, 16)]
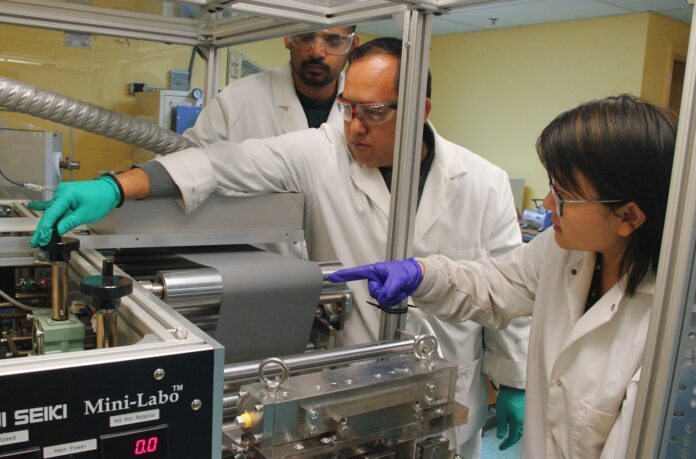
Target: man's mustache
[(318, 62)]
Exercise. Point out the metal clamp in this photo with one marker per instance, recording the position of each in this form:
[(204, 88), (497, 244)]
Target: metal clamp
[(275, 383), (425, 347)]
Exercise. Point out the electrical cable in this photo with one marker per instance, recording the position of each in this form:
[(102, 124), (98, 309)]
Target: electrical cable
[(391, 310), (190, 65), (9, 179), (31, 186), (16, 303)]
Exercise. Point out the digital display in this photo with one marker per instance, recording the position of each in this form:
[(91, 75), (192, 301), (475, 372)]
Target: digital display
[(146, 443)]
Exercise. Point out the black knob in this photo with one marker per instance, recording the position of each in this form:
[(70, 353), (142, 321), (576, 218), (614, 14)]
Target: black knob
[(108, 268), (106, 289), (55, 238), (59, 248)]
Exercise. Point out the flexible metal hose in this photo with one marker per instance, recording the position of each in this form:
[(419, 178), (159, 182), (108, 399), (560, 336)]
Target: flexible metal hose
[(54, 107)]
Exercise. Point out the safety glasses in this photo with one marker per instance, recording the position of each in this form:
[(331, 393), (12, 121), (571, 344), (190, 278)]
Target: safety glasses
[(333, 43), (560, 202), (371, 113)]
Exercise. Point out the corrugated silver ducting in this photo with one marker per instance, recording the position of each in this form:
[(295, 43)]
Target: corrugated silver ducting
[(54, 107)]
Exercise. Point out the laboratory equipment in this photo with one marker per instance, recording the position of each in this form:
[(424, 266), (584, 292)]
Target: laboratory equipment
[(163, 374), (536, 218), (33, 158), (175, 110)]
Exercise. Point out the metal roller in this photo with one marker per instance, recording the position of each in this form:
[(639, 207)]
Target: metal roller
[(303, 362), (327, 268), (191, 287)]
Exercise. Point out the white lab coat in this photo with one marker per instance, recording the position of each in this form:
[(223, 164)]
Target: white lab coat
[(583, 369), (255, 107), (466, 211)]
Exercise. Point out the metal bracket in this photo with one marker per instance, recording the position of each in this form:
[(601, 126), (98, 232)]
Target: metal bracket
[(78, 40), (205, 39)]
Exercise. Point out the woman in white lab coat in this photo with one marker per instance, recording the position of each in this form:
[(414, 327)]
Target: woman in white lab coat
[(588, 282)]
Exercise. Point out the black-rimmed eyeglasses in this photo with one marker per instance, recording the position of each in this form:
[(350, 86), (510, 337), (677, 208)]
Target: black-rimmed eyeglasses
[(560, 202)]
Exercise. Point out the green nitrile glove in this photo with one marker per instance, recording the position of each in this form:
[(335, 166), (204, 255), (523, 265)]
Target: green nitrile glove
[(509, 408), (73, 204)]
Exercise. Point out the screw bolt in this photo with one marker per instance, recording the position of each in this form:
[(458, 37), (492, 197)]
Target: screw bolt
[(180, 333), (159, 374), (344, 431), (196, 405)]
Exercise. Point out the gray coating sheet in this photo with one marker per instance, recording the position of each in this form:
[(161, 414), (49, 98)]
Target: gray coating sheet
[(268, 302)]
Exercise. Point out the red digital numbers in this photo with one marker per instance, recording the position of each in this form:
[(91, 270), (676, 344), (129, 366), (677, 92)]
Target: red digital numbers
[(146, 446)]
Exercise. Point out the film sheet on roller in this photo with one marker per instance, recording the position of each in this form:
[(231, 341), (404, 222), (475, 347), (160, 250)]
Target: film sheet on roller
[(268, 303)]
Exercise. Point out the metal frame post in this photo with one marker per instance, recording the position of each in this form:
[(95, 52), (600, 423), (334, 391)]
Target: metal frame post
[(672, 304), (210, 55), (407, 149)]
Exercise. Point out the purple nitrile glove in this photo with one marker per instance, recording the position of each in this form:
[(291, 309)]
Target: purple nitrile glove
[(389, 282)]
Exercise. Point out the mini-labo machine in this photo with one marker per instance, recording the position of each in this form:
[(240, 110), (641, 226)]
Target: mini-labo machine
[(118, 353)]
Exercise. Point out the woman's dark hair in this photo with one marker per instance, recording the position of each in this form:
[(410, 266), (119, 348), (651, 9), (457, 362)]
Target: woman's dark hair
[(385, 45), (624, 147)]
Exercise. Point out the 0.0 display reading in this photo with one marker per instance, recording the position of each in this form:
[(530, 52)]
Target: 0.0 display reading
[(146, 446), (146, 443)]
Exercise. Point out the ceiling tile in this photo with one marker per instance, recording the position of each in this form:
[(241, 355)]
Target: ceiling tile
[(443, 26), (648, 5), (390, 29), (514, 13), (535, 12), (380, 29), (682, 14)]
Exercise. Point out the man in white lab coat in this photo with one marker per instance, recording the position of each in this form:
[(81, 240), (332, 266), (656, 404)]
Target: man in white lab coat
[(295, 96), (465, 209)]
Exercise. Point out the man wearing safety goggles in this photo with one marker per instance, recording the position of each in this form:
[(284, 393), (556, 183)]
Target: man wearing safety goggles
[(465, 211), (288, 98)]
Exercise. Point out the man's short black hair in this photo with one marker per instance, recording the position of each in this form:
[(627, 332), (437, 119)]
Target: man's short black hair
[(385, 45)]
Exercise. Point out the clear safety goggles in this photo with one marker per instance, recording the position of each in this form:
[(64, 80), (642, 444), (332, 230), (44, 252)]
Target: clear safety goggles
[(368, 112), (560, 202), (333, 43)]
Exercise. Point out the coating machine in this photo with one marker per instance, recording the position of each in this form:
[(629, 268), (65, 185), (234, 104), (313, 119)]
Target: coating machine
[(110, 353), (158, 334)]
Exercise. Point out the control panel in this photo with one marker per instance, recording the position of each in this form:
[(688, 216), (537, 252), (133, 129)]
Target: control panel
[(151, 407)]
